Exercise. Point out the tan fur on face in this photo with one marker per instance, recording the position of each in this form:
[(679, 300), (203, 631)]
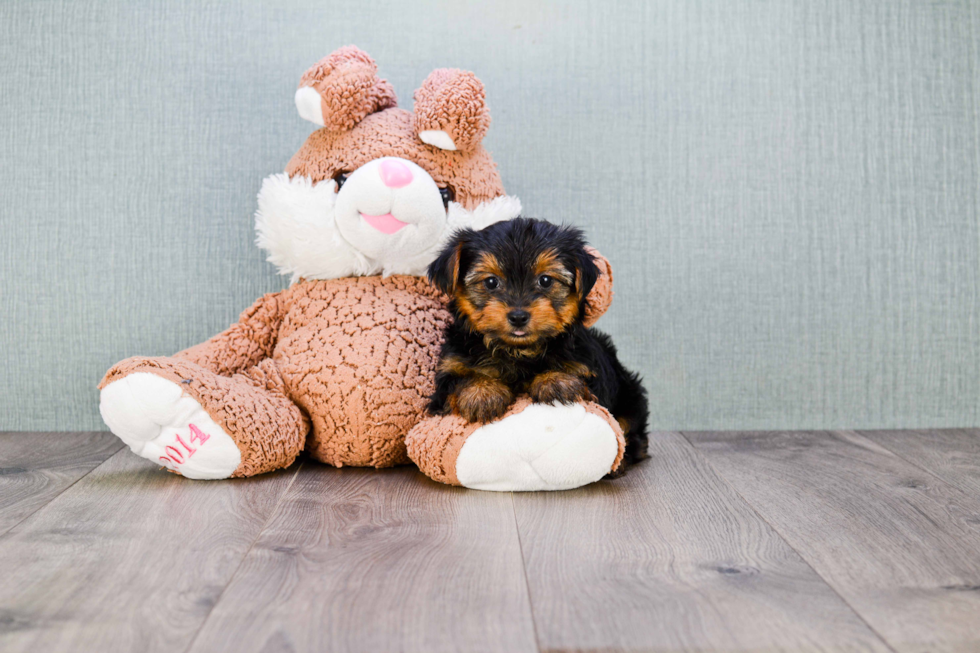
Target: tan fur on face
[(545, 321), (560, 294), (493, 318), (568, 312), (485, 266), (549, 264), (487, 314)]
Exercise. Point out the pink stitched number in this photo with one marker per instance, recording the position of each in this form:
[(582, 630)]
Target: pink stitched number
[(199, 435), (174, 454), (190, 450)]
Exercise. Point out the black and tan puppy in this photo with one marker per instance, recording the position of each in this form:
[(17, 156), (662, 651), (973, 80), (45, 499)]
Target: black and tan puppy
[(519, 290)]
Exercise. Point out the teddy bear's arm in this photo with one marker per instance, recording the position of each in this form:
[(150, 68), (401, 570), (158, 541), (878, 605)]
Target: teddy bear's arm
[(243, 344), (601, 295)]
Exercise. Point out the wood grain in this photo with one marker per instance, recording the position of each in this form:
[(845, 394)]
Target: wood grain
[(130, 558), (744, 541), (900, 545), (37, 467), (951, 454), (670, 558), (378, 560)]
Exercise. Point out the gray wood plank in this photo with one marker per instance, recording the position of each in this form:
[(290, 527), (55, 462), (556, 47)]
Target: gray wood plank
[(130, 558), (670, 558), (37, 467), (901, 546), (378, 560), (951, 454)]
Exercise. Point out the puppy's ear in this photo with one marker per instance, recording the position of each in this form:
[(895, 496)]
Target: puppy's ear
[(586, 274), (445, 272)]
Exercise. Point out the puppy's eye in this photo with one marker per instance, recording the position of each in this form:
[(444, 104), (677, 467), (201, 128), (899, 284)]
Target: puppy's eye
[(491, 283), (340, 178), (447, 196), (545, 281)]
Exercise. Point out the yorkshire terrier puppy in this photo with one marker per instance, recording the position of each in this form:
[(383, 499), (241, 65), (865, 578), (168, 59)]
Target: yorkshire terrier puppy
[(519, 292)]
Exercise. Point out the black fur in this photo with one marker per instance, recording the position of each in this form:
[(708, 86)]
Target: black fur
[(516, 245)]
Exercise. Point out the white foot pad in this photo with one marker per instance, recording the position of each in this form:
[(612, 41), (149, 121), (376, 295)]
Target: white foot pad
[(544, 447), (162, 423)]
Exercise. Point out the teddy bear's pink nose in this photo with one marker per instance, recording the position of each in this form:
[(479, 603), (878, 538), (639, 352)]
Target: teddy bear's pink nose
[(395, 174)]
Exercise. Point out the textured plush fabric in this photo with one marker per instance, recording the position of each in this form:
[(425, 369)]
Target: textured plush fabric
[(356, 355), (252, 408), (349, 87), (435, 443), (362, 123), (301, 227), (359, 355), (601, 295), (298, 225), (787, 189), (472, 174), (453, 101), (347, 361)]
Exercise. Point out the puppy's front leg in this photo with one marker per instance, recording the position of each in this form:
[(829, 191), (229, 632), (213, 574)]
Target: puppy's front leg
[(549, 387), (481, 399)]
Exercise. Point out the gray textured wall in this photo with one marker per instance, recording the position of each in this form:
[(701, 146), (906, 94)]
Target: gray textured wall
[(788, 190)]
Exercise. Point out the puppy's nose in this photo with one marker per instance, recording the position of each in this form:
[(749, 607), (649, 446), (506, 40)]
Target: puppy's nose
[(395, 174), (518, 318)]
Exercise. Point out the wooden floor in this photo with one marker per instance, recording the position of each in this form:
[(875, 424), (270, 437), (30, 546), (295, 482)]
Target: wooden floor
[(792, 541)]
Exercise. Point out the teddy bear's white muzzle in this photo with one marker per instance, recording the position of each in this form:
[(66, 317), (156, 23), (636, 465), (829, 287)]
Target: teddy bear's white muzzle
[(390, 205)]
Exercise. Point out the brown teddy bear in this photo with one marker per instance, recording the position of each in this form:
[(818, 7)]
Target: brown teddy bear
[(340, 364)]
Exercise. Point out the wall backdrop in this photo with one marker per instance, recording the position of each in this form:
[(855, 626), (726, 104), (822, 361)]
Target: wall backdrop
[(788, 190)]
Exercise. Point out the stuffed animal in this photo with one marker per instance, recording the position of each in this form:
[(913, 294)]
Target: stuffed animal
[(341, 363)]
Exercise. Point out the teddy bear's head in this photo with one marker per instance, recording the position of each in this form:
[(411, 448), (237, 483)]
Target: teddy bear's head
[(379, 189)]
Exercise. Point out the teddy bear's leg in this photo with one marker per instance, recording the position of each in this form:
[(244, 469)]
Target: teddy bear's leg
[(532, 447), (200, 424)]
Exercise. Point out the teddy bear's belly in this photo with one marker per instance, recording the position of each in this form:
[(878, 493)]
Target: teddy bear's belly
[(363, 373)]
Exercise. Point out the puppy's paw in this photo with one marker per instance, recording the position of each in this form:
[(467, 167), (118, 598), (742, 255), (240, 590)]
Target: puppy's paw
[(549, 387), (482, 400)]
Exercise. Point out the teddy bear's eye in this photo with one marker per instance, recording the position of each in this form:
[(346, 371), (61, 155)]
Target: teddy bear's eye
[(340, 178), (447, 196)]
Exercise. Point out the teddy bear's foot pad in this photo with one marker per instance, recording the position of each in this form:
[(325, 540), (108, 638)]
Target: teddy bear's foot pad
[(162, 423), (544, 447)]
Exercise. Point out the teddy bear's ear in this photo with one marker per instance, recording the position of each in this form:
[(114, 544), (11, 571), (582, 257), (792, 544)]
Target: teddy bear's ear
[(451, 110), (601, 294), (340, 89)]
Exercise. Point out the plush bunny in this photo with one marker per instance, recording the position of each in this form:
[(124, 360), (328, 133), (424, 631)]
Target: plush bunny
[(341, 363)]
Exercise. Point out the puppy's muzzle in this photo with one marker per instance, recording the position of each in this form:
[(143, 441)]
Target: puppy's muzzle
[(518, 318)]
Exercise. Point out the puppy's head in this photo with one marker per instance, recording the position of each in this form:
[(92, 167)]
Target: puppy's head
[(517, 282)]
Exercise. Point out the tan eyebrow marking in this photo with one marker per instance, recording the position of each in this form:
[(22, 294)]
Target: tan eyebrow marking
[(485, 266), (548, 263)]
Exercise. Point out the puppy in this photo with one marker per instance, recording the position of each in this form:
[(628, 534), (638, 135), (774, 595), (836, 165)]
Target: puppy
[(519, 292)]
